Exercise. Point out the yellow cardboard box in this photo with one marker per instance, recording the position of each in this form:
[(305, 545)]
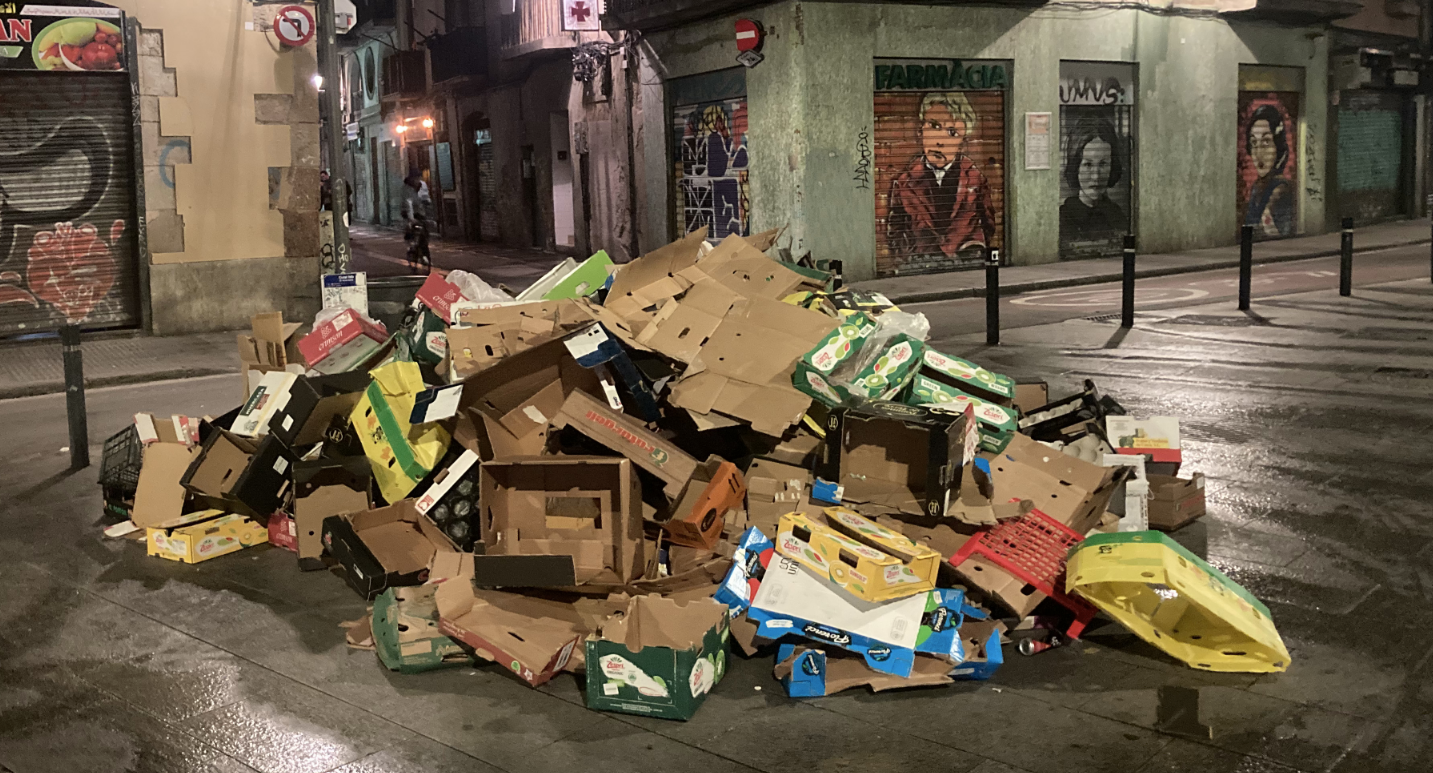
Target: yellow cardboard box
[(203, 535), (400, 453), (869, 561)]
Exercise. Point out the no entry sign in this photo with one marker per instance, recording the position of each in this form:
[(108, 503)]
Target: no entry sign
[(293, 25)]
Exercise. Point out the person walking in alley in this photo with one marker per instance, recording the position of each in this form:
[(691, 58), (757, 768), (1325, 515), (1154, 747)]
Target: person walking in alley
[(416, 204)]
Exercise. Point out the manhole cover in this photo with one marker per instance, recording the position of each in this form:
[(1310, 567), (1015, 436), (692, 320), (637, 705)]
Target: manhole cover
[(1210, 320)]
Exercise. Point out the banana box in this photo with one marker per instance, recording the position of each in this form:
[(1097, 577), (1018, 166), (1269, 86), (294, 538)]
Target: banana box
[(968, 377), (865, 559), (888, 374), (996, 423), (1176, 601), (813, 370), (658, 658), (203, 535), (401, 453)]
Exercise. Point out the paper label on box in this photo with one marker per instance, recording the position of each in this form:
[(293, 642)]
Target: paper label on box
[(778, 624), (613, 399), (144, 424), (281, 464), (586, 342), (288, 423), (610, 688)]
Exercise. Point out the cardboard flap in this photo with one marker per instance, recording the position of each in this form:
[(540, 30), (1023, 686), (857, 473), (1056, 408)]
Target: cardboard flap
[(657, 266), (160, 494), (654, 621), (743, 268)]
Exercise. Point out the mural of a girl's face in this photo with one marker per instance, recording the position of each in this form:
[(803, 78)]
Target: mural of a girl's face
[(1261, 147), (1094, 172), (942, 135)]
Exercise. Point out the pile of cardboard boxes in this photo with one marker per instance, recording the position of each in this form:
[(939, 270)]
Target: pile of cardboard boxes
[(638, 472)]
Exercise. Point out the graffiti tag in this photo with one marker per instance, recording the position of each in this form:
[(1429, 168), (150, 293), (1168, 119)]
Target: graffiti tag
[(863, 162)]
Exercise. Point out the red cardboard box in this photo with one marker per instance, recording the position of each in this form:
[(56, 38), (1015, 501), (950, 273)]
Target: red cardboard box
[(342, 343), (439, 295)]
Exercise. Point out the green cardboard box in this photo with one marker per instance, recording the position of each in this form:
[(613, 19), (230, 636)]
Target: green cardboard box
[(995, 423), (967, 377), (405, 632), (813, 370), (658, 658), (889, 373)]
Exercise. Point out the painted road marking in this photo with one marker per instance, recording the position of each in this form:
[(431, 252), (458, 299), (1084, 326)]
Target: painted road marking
[(1089, 298)]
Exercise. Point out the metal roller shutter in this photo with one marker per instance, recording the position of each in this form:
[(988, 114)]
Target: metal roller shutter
[(1370, 155), (67, 209), (1096, 158), (934, 215), (1268, 157), (487, 194), (710, 168)]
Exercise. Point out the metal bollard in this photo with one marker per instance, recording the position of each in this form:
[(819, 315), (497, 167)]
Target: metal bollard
[(1127, 299), (1246, 265), (1345, 259), (75, 397), (992, 298)]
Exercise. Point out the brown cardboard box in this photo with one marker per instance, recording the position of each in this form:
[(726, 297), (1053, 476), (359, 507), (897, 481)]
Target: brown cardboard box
[(520, 395), (1175, 502), (533, 637), (774, 489), (323, 488), (387, 547), (559, 521), (699, 513), (640, 285), (1030, 395), (628, 437), (271, 345), (1073, 492), (904, 457)]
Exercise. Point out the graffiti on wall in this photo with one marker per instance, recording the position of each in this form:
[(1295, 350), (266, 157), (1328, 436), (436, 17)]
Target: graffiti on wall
[(1096, 158), (52, 256), (863, 160), (713, 187), (1268, 162)]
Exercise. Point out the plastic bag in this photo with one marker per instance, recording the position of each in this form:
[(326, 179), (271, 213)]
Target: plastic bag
[(888, 358), (475, 289)]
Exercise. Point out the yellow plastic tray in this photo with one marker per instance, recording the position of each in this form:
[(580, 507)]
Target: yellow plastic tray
[(1176, 601)]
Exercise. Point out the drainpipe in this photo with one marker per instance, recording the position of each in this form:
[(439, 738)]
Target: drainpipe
[(632, 68)]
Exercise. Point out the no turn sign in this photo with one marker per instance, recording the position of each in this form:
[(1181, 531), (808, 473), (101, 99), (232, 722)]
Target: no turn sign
[(293, 25)]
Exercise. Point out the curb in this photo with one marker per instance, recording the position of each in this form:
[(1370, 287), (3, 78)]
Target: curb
[(1093, 279), (57, 387)]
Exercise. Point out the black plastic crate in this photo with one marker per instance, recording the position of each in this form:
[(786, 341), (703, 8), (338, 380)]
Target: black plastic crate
[(123, 454)]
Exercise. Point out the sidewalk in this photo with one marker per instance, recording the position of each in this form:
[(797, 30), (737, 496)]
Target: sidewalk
[(112, 359), (1023, 279)]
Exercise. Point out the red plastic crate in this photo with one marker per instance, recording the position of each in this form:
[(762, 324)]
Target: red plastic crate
[(1032, 548)]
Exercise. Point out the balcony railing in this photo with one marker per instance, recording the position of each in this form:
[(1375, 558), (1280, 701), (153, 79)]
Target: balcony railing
[(536, 26), (404, 74), (463, 51)]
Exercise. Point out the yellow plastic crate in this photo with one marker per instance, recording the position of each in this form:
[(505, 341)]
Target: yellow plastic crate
[(1176, 601)]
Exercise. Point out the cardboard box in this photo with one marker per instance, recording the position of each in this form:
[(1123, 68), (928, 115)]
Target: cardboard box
[(792, 600), (535, 638), (996, 423), (406, 633), (303, 413), (659, 658), (438, 294), (160, 495), (1030, 395), (628, 437), (737, 264), (570, 279), (203, 535), (867, 560), (884, 377), (271, 346), (903, 457), (559, 522), (253, 418), (815, 368), (1175, 502), (754, 553), (451, 502), (641, 284), (175, 429), (699, 512), (1155, 438), (808, 671), (519, 395), (774, 489), (323, 488), (1072, 491), (283, 533), (240, 474), (401, 453), (342, 343), (383, 548), (482, 337), (967, 377), (980, 653)]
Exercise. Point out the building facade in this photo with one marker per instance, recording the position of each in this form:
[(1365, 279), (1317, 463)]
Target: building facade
[(148, 182), (516, 116), (907, 139)]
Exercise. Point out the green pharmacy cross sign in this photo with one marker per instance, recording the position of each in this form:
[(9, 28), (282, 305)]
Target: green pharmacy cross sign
[(75, 36), (951, 75)]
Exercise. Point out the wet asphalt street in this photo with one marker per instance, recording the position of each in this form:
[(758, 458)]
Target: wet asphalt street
[(1312, 420)]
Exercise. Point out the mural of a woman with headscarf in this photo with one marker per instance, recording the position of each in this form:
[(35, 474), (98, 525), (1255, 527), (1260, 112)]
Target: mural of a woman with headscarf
[(1268, 195)]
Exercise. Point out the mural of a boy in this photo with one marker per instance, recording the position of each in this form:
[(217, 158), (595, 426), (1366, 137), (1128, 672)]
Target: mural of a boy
[(940, 204)]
